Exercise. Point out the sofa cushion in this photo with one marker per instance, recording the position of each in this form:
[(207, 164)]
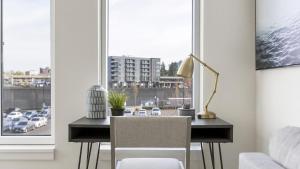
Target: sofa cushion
[(284, 147), (257, 161)]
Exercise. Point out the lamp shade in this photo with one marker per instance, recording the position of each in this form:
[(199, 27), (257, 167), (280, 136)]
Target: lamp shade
[(186, 68)]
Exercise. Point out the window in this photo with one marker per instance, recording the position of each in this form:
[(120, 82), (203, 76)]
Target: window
[(26, 70), (147, 40)]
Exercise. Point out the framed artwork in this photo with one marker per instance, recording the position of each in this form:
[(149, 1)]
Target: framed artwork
[(277, 33)]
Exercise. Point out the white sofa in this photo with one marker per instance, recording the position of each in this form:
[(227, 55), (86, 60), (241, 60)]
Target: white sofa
[(284, 152)]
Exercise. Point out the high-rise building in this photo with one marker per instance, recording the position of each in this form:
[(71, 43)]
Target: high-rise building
[(125, 71)]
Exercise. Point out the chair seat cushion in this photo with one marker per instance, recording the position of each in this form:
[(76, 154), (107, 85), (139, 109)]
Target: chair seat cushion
[(149, 163)]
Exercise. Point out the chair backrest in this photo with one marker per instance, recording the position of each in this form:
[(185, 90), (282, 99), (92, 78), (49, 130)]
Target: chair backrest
[(153, 132)]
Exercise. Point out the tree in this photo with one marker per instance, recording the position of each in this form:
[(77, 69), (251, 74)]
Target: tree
[(135, 92), (173, 67), (18, 73), (163, 71)]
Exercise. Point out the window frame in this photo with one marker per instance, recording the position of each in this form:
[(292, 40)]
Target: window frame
[(196, 43), (33, 140)]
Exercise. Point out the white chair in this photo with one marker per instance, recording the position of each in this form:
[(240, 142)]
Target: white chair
[(150, 132)]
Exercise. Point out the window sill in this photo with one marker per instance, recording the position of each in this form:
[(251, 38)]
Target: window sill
[(27, 152)]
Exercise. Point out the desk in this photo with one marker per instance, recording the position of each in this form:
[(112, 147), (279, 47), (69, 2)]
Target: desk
[(209, 131)]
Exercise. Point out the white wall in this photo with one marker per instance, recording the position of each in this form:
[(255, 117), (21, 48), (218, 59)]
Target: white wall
[(278, 102), (229, 32), (228, 46)]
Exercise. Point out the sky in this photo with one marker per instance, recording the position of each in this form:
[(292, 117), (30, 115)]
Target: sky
[(150, 28), (140, 28), (275, 13), (26, 34)]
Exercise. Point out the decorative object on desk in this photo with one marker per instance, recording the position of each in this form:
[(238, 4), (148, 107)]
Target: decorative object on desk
[(186, 111), (96, 102), (277, 33), (186, 70), (117, 101)]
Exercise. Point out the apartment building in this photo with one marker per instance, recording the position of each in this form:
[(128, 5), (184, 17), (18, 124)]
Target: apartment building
[(125, 71)]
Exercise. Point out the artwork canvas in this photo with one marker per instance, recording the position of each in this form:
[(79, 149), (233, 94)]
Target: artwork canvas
[(277, 33)]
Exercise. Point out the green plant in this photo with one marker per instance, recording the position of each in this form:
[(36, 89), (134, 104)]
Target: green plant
[(117, 99)]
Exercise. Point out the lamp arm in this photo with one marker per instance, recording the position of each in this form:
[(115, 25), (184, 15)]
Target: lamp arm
[(204, 64), (216, 80), (213, 93)]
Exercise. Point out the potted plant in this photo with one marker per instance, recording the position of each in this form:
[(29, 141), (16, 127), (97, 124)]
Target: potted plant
[(117, 101)]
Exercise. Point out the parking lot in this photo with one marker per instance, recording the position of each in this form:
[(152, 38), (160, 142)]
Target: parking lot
[(34, 122), (44, 130)]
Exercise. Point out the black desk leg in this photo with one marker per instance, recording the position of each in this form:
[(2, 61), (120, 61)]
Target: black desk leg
[(89, 150), (88, 154), (220, 153), (211, 149), (97, 155), (80, 152), (203, 158), (212, 154)]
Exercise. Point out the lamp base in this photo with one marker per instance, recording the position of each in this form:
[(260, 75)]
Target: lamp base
[(206, 115)]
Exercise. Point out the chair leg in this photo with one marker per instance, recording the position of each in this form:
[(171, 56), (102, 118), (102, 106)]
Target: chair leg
[(97, 155), (203, 158), (80, 152)]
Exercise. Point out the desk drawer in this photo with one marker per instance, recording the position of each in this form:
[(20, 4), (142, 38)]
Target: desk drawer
[(221, 135), (88, 134)]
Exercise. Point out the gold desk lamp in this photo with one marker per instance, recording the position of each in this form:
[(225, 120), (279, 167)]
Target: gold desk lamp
[(186, 70)]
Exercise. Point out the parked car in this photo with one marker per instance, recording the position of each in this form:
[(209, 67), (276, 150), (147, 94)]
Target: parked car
[(142, 112), (37, 115), (39, 121), (15, 121), (155, 111), (29, 114), (45, 114), (47, 109), (127, 112), (6, 125), (44, 120), (23, 127), (14, 114)]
